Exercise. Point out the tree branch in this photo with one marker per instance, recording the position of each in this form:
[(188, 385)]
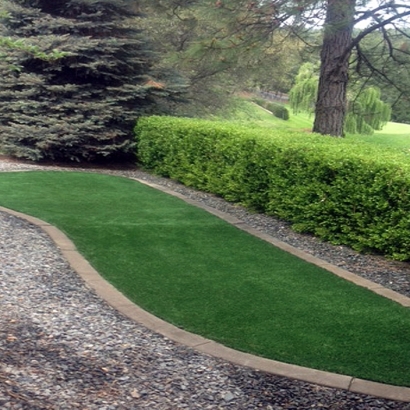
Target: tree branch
[(375, 27)]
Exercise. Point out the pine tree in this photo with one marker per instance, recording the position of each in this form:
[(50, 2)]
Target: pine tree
[(75, 89), (366, 112)]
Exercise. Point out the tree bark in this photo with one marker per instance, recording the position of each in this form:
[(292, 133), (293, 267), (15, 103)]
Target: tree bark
[(331, 100)]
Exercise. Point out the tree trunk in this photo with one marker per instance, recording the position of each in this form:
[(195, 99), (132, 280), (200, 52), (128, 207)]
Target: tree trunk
[(331, 100)]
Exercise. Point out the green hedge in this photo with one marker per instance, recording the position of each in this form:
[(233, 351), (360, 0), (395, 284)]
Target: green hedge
[(343, 192), (278, 110)]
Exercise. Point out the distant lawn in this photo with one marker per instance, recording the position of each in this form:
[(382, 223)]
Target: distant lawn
[(204, 275), (249, 113), (393, 135), (300, 121)]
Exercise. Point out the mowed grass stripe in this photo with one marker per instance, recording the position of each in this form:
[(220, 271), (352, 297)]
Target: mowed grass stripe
[(206, 276)]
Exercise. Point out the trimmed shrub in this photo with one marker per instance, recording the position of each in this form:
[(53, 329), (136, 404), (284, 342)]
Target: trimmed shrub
[(346, 193), (259, 101), (278, 111)]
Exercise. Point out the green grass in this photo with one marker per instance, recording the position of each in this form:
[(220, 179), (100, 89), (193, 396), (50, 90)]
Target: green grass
[(392, 136), (246, 112), (204, 275)]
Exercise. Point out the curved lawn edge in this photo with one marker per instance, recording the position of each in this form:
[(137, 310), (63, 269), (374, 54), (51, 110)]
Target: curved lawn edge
[(121, 303)]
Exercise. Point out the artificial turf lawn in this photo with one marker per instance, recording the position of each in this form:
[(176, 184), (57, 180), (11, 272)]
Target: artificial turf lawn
[(204, 275)]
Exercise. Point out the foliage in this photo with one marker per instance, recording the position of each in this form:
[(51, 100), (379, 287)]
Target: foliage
[(345, 193), (178, 35), (21, 45), (303, 94), (82, 76), (393, 93), (278, 110), (194, 39), (366, 111), (244, 31), (400, 109)]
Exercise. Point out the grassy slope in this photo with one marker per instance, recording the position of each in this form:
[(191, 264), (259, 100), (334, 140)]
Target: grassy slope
[(204, 275), (393, 135), (249, 113)]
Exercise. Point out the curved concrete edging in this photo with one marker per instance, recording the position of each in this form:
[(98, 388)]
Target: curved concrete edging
[(118, 301)]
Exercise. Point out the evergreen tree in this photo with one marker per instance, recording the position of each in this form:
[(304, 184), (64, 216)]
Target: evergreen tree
[(251, 23), (194, 38), (76, 87)]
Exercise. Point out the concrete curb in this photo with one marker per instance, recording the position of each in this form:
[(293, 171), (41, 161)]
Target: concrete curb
[(118, 301)]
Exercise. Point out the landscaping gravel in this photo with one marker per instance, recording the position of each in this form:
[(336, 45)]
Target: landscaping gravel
[(62, 347)]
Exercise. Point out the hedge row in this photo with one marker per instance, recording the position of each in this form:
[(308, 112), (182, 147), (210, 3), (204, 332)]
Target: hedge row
[(346, 193), (278, 110)]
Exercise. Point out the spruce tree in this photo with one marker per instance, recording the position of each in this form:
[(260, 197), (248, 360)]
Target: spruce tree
[(78, 81)]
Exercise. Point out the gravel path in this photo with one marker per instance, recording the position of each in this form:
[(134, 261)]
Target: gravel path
[(61, 347)]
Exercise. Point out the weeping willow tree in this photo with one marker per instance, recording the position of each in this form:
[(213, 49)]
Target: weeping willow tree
[(303, 94), (366, 112)]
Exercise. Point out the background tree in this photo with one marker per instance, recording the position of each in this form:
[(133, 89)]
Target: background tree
[(365, 111), (303, 94), (82, 104), (378, 50), (178, 34), (196, 39), (331, 103), (343, 49), (338, 46)]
